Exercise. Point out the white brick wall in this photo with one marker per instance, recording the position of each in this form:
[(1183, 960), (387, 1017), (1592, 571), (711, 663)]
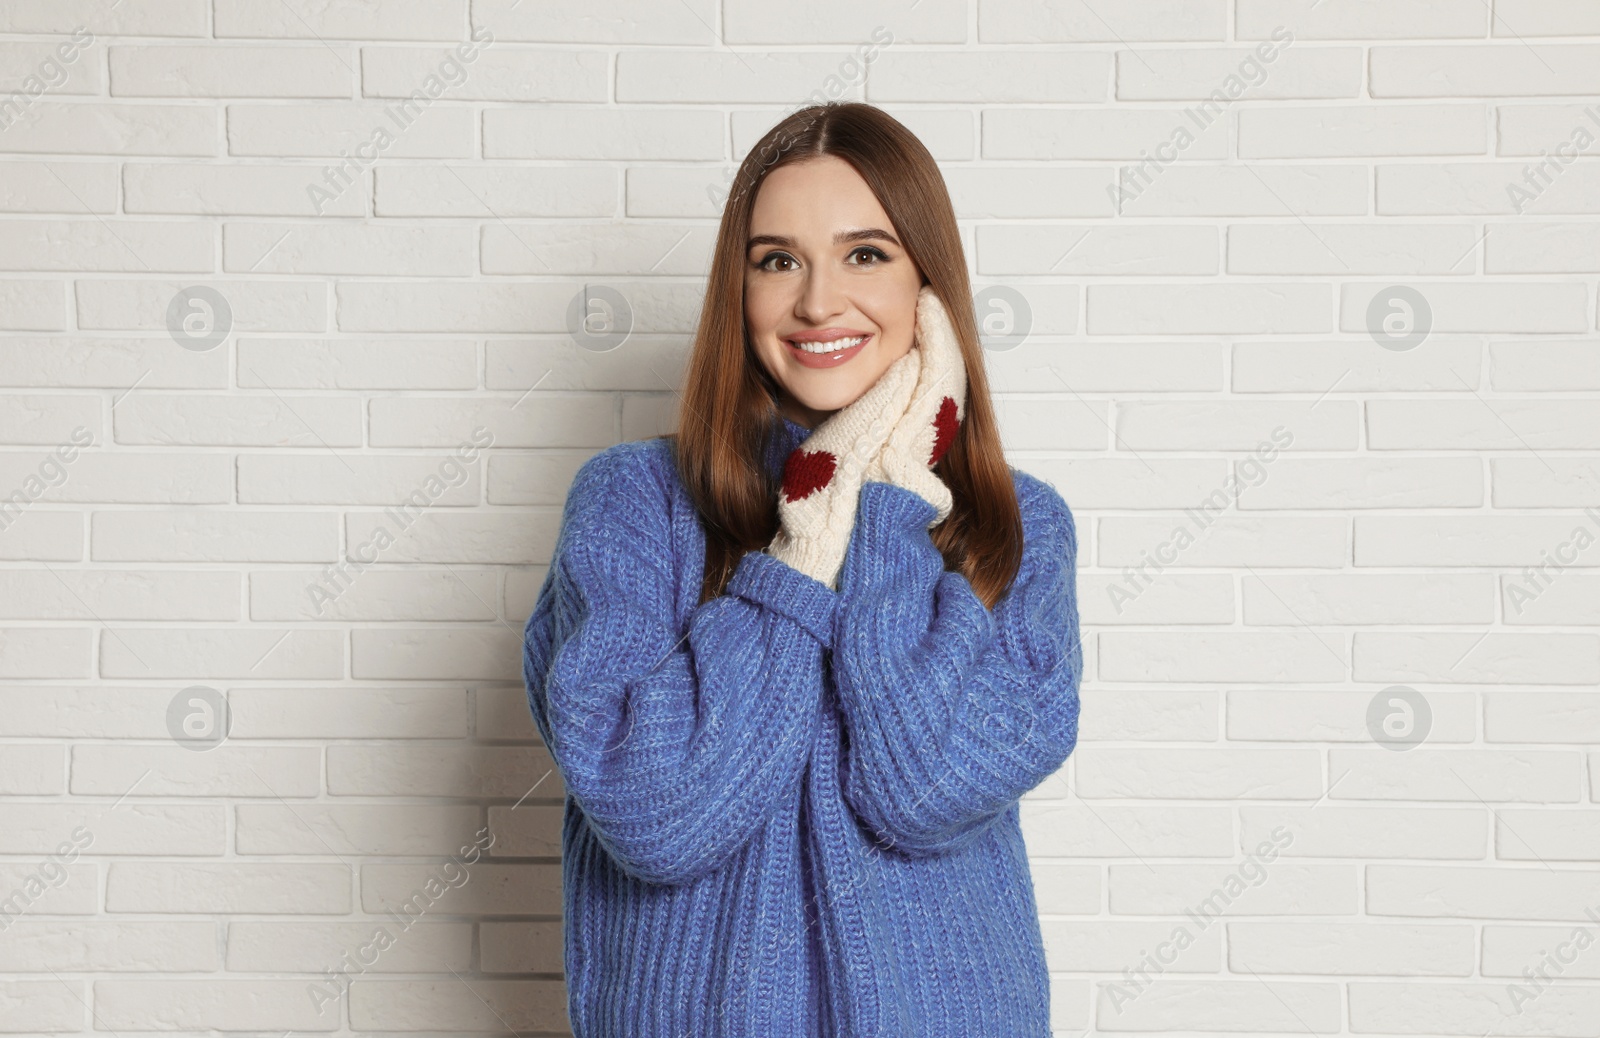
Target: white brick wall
[(396, 288)]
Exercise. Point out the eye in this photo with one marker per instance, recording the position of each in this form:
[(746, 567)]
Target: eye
[(769, 257), (869, 250)]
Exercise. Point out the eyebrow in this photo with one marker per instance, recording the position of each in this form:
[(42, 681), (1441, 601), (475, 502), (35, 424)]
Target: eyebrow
[(839, 238)]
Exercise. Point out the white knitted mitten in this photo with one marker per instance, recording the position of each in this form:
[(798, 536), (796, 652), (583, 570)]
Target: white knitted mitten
[(938, 403), (822, 476)]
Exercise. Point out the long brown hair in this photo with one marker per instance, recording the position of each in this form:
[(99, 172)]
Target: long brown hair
[(728, 409)]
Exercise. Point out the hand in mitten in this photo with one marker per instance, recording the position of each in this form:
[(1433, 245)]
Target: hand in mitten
[(822, 476), (928, 426)]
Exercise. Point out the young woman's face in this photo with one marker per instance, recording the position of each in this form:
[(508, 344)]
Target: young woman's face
[(824, 266)]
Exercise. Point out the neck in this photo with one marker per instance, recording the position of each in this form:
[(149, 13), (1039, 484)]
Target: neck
[(795, 411)]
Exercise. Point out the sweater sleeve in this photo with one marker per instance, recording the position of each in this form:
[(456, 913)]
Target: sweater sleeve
[(675, 743), (952, 711)]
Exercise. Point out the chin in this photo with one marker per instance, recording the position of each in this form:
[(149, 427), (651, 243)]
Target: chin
[(836, 393)]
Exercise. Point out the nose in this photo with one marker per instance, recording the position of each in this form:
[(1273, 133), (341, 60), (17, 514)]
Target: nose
[(821, 298)]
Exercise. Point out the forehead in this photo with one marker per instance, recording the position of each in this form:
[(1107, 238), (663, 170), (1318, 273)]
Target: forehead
[(813, 199)]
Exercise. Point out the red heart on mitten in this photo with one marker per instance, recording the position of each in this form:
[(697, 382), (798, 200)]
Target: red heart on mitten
[(944, 430), (806, 472)]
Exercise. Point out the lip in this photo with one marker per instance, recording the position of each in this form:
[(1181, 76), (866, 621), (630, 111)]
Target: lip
[(825, 360)]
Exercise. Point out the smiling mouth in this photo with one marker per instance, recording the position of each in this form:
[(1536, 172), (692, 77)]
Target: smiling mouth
[(829, 353), (831, 346)]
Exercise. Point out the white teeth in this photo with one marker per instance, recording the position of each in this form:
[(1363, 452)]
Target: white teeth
[(831, 346)]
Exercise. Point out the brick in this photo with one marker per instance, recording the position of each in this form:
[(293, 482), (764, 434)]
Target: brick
[(1538, 365), (1361, 19), (355, 363), (312, 19), (1545, 483), (481, 1005), (1304, 189), (555, 421), (1166, 772), (68, 66), (357, 479), (1096, 133), (373, 594), (1481, 306), (586, 133), (473, 72), (332, 248), (1484, 539), (1255, 656), (202, 887), (1268, 71), (271, 947), (211, 1004), (348, 713), (127, 828), (1484, 892), (590, 248), (107, 594), (239, 420), (1061, 21), (944, 21), (32, 305), (1334, 716), (236, 535), (1098, 368), (1508, 69), (1005, 249), (1248, 425), (635, 21), (211, 653), (84, 363), (993, 77), (1444, 364), (109, 946), (1550, 596), (1368, 599), (1326, 830), (1379, 1007), (1486, 188), (1484, 659), (1376, 130), (1540, 248), (150, 18), (483, 889), (1227, 540), (44, 1005), (1296, 889), (495, 192), (255, 306), (350, 131), (480, 653), (222, 771), (1360, 483), (492, 538), (1223, 309), (78, 128), (214, 70), (253, 190), (357, 829), (1347, 249), (700, 76), (1480, 424), (55, 420), (1352, 948), (1472, 776)]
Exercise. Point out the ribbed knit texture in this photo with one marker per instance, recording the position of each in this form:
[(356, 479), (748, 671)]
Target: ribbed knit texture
[(792, 811)]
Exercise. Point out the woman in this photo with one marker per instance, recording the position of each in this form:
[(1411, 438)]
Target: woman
[(797, 662)]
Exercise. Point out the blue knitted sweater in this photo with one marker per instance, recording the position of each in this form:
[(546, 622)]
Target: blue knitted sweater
[(792, 811)]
